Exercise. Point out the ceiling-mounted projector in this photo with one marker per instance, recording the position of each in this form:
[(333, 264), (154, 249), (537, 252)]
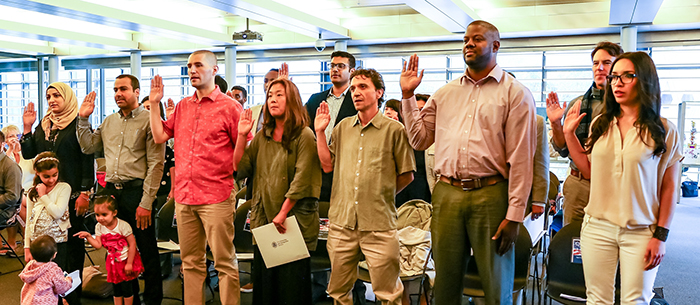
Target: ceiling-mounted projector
[(247, 35)]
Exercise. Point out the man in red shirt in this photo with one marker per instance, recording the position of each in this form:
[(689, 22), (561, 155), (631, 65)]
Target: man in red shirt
[(205, 127)]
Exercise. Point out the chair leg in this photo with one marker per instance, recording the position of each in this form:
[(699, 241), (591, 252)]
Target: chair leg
[(12, 249)]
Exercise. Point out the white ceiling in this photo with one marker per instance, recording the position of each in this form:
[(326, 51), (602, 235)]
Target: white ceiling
[(92, 27)]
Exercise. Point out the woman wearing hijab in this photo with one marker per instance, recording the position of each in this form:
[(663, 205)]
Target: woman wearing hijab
[(56, 132)]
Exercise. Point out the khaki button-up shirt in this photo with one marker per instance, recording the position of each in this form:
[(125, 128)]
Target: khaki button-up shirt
[(278, 174), (129, 150), (366, 162)]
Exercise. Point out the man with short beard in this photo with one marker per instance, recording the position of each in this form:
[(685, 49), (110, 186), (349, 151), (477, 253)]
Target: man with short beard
[(483, 127), (134, 166)]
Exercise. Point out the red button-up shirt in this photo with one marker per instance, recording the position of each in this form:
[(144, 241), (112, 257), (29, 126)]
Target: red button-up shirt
[(205, 132)]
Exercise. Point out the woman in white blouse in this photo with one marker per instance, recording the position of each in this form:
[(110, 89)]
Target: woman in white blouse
[(633, 158)]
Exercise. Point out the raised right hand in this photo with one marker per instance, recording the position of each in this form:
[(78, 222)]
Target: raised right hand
[(88, 105), (245, 123), (554, 111), (170, 108), (156, 90), (573, 118), (28, 117), (410, 79), (323, 118)]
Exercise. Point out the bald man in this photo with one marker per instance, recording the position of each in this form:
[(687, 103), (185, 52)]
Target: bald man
[(205, 128)]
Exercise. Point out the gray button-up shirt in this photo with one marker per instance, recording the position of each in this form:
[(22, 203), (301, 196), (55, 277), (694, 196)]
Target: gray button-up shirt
[(129, 150)]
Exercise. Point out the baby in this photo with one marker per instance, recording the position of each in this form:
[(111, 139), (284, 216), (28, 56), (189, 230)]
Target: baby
[(43, 279)]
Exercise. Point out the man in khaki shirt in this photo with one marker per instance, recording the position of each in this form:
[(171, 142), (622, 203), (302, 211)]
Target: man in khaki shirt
[(134, 167), (373, 162)]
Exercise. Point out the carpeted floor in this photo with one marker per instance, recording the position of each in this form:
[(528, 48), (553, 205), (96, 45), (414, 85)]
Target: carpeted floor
[(679, 273)]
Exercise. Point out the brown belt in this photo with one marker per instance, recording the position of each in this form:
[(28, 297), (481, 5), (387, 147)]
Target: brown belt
[(577, 174), (473, 184)]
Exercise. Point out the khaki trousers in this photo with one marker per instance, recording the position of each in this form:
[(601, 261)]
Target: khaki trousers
[(604, 245), (381, 250), (212, 223), (576, 191)]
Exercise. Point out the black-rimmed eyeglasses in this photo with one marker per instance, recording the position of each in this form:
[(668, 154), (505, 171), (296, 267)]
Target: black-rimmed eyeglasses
[(624, 78)]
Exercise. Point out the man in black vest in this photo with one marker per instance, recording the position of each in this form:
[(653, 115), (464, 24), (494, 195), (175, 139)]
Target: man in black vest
[(577, 186)]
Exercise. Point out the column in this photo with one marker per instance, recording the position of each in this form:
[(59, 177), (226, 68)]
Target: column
[(628, 38), (230, 61), (136, 64), (53, 69), (341, 45), (40, 81)]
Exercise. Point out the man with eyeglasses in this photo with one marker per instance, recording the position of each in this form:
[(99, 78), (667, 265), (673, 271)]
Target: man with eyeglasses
[(577, 186), (340, 106), (134, 167)]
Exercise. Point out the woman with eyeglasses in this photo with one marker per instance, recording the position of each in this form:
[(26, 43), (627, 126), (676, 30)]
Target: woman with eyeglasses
[(633, 158), (283, 164), (56, 132)]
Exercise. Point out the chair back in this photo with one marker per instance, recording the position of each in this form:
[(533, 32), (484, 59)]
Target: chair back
[(563, 276), (243, 240), (165, 226), (240, 195), (523, 247)]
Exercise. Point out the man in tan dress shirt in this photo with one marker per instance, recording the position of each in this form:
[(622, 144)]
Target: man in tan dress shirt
[(483, 127), (134, 167), (372, 161)]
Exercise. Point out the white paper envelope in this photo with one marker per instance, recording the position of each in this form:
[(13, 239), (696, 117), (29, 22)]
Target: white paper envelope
[(279, 249)]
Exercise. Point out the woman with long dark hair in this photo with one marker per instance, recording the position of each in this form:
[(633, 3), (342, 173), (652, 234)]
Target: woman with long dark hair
[(633, 158), (283, 163), (56, 132)]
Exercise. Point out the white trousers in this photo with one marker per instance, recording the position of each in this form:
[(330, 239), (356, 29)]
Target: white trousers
[(603, 244)]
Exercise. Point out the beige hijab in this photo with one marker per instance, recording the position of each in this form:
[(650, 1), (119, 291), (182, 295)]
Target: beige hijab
[(66, 115)]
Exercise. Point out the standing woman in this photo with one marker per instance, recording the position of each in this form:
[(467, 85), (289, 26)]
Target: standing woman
[(283, 164), (56, 132), (634, 163)]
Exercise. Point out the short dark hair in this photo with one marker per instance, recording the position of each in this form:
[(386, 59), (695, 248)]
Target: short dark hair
[(422, 97), (351, 59), (376, 78), (274, 69), (221, 82), (612, 48), (43, 248), (395, 105), (490, 28), (134, 81), (2, 137), (241, 89), (162, 109)]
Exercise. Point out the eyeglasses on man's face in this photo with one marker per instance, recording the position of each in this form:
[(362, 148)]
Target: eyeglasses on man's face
[(340, 66), (624, 78)]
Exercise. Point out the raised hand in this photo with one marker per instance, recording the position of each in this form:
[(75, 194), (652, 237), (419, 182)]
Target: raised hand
[(410, 78), (170, 108), (284, 72), (323, 118), (573, 118), (28, 117), (156, 90), (88, 105), (554, 111), (245, 123)]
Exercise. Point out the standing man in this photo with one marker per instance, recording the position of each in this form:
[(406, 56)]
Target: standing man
[(134, 166), (577, 186), (239, 94), (372, 161), (205, 128), (339, 104), (483, 127)]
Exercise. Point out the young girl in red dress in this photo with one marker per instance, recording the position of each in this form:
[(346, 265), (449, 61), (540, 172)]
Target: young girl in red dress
[(123, 260)]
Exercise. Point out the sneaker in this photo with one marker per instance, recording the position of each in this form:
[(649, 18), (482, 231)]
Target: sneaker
[(247, 288)]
